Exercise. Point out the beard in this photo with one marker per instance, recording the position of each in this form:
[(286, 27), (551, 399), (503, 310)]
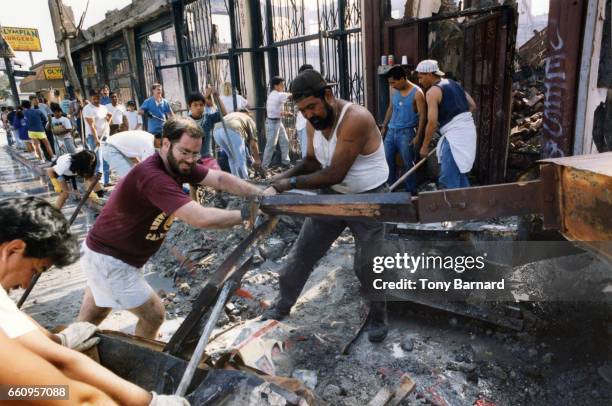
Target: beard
[(321, 123), (175, 164)]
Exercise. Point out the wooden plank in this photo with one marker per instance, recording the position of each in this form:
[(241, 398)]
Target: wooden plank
[(405, 388), (382, 397), (368, 206)]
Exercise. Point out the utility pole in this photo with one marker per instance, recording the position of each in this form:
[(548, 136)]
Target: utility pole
[(7, 53), (11, 77), (64, 31)]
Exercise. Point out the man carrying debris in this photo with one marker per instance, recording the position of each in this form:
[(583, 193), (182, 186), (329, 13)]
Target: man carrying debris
[(449, 108), (35, 236), (136, 218), (345, 155), (61, 127), (233, 135)]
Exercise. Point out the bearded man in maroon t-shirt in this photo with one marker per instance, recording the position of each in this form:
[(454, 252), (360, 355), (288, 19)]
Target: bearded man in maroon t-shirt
[(137, 217)]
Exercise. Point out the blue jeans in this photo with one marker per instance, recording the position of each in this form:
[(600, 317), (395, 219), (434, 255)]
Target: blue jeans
[(66, 143), (275, 133), (234, 147), (105, 167), (206, 148), (450, 176), (303, 140), (399, 140)]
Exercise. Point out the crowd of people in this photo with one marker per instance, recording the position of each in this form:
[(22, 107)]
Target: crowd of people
[(231, 139), (343, 150)]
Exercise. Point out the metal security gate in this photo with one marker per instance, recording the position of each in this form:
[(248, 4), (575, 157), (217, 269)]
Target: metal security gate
[(323, 33), (284, 34), (487, 59), (215, 42)]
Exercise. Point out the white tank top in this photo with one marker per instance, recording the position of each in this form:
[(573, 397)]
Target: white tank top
[(366, 173)]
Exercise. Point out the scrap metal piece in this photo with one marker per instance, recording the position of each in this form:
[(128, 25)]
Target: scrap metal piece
[(227, 270), (199, 351), (397, 207), (585, 197), (480, 203)]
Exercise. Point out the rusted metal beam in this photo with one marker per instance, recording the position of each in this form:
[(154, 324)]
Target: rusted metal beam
[(475, 203), (479, 203), (375, 207), (584, 195)]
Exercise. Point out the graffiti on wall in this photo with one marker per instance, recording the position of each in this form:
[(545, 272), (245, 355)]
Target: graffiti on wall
[(555, 87)]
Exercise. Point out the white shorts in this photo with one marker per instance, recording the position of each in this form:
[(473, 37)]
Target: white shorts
[(112, 282)]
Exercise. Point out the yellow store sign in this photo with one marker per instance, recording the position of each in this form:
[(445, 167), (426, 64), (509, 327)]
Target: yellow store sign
[(53, 73), (22, 39)]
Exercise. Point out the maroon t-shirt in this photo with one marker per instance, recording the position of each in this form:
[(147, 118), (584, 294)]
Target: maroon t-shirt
[(134, 222)]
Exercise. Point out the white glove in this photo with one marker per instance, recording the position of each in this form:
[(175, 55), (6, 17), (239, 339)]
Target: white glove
[(78, 336), (168, 400)]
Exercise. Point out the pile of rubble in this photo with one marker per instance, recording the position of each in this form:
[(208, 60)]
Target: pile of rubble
[(527, 117), (527, 106)]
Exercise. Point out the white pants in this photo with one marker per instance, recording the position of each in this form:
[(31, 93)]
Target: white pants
[(112, 282)]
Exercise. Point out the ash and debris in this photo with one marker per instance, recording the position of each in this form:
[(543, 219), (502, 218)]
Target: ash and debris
[(454, 360)]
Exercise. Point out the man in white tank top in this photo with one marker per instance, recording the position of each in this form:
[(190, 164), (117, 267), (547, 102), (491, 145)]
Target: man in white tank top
[(345, 155)]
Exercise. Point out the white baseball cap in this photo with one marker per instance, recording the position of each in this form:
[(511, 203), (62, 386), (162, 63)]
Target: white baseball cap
[(429, 66)]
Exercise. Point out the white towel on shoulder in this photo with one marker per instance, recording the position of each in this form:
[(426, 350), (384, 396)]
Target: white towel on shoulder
[(461, 135)]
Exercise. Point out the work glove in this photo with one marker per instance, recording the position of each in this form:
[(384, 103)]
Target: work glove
[(168, 400), (56, 185), (78, 336)]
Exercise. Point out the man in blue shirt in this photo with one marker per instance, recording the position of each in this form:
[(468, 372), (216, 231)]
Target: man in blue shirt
[(156, 110), (36, 121), (404, 124)]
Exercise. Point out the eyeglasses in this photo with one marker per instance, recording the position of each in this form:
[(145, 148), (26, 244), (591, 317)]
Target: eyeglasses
[(188, 154)]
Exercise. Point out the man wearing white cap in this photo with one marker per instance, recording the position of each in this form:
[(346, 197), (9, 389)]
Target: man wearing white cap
[(449, 108)]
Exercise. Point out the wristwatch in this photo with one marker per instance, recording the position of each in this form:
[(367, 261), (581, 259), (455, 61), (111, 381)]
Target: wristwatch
[(293, 182)]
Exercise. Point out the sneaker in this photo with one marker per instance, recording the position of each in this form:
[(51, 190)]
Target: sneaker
[(275, 313), (42, 162), (377, 324)]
